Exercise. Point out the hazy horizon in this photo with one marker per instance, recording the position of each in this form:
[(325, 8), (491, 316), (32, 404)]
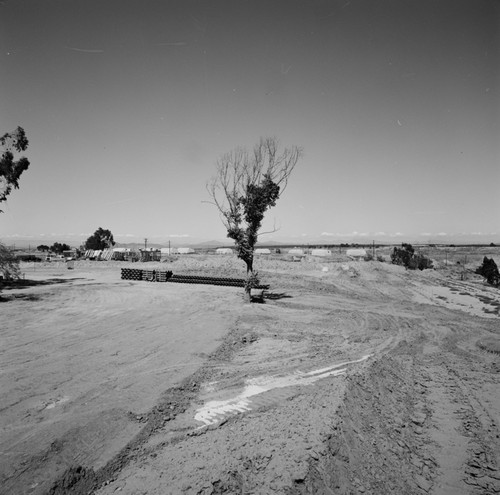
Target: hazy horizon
[(31, 243), (127, 105)]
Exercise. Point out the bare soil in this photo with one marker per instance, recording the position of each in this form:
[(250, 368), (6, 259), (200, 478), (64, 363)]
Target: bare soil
[(350, 377)]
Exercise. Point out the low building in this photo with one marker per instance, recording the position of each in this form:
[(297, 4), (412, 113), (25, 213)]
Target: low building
[(168, 251), (321, 252), (185, 250), (356, 254), (262, 251), (224, 251)]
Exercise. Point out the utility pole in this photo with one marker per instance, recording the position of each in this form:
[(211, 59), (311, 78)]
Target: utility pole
[(145, 243)]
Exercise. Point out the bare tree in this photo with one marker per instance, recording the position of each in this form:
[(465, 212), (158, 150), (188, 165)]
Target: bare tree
[(245, 186)]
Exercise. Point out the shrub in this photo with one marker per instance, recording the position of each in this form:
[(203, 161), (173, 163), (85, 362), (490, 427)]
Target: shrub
[(489, 271), (9, 264), (406, 257), (403, 255), (423, 263)]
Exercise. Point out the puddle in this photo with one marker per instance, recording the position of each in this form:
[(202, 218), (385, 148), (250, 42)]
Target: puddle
[(214, 411)]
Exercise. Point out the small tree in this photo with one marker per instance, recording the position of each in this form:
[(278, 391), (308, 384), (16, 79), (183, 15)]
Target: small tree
[(9, 264), (403, 255), (43, 248), (11, 170), (245, 186), (101, 239), (489, 271), (57, 247), (406, 256)]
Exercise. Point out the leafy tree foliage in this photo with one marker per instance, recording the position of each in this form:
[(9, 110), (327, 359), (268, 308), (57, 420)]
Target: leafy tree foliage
[(9, 264), (407, 257), (246, 185), (489, 271), (43, 248), (10, 169), (57, 247), (100, 239)]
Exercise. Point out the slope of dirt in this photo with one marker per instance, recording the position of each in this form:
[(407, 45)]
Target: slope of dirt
[(351, 378)]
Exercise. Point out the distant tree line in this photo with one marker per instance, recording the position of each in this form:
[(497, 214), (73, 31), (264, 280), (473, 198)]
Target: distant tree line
[(57, 247)]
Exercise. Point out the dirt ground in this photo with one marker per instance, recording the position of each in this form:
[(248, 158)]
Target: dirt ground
[(350, 377)]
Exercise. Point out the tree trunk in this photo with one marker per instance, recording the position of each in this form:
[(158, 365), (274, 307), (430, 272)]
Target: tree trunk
[(249, 263), (248, 294), (248, 287)]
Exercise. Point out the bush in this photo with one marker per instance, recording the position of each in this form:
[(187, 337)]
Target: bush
[(489, 271), (403, 255), (406, 257), (423, 263), (9, 264)]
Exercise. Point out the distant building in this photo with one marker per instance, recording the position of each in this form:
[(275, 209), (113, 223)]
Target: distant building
[(356, 254), (224, 251), (185, 250), (262, 251), (296, 252), (321, 252), (167, 251)]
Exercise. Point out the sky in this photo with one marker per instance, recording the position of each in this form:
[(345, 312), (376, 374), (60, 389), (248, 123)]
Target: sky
[(128, 104)]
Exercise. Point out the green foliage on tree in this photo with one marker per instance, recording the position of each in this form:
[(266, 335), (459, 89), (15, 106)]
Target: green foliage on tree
[(246, 185), (489, 271), (100, 239), (43, 248), (406, 256), (10, 169)]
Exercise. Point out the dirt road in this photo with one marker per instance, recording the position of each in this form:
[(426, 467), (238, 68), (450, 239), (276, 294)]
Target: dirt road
[(351, 378)]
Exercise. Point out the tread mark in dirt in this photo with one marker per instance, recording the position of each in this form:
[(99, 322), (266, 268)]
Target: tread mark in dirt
[(460, 421)]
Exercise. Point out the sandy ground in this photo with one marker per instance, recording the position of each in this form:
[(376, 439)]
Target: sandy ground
[(352, 377)]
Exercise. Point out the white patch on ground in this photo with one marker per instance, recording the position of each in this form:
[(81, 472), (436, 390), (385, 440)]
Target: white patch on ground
[(465, 300), (213, 411), (55, 402)]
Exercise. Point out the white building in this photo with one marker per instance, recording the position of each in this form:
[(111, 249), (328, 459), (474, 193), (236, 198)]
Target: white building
[(167, 251), (321, 252), (185, 250), (224, 251), (356, 254), (262, 251)]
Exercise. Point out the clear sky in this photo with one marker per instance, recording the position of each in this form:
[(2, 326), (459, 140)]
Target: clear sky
[(127, 105)]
